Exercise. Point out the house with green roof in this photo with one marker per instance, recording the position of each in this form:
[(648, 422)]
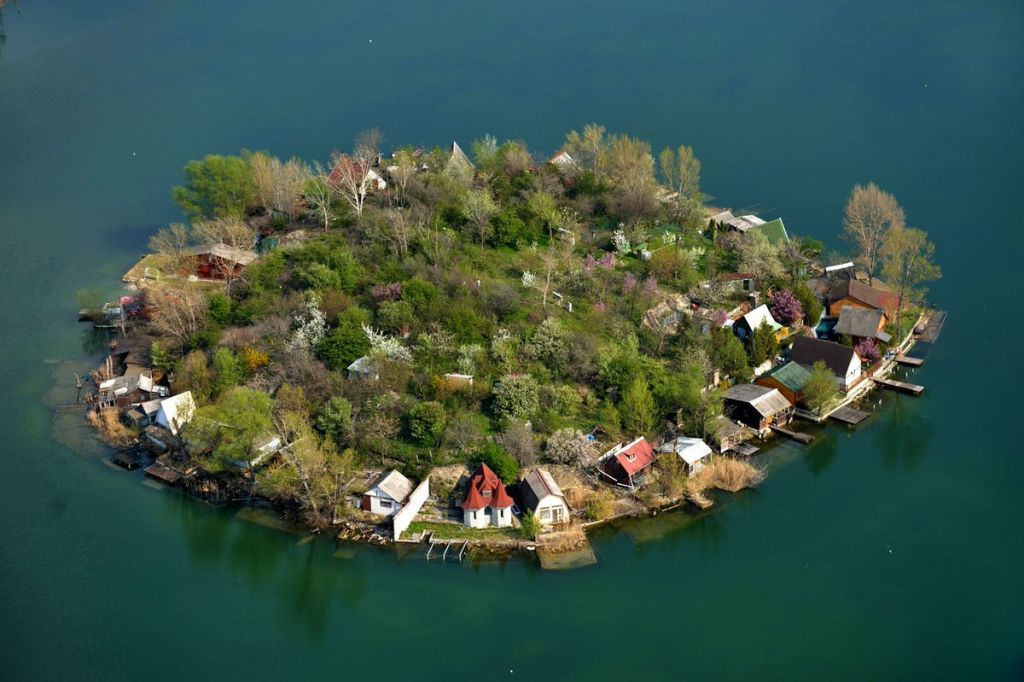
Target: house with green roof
[(789, 379), (775, 230)]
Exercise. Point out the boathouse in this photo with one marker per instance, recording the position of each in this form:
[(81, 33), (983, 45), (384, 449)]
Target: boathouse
[(758, 407), (692, 451), (388, 494), (862, 323)]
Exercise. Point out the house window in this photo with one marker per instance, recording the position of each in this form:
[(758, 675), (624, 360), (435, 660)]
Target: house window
[(487, 493), (385, 504)]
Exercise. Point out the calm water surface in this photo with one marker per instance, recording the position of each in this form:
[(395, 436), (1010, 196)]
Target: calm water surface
[(892, 552)]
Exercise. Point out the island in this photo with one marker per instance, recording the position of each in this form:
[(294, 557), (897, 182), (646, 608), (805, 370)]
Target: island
[(491, 352)]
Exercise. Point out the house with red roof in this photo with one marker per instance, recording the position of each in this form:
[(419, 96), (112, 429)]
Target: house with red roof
[(487, 502), (626, 464)]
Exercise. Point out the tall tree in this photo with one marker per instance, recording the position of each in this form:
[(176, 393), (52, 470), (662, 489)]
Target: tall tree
[(871, 213), (907, 263), (639, 413), (759, 257), (630, 167), (178, 312), (216, 186), (680, 170), (820, 389), (350, 177), (279, 184), (588, 148), (479, 207), (320, 194), (171, 242)]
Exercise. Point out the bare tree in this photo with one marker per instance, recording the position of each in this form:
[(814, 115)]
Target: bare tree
[(171, 242), (229, 231), (630, 167), (350, 177), (400, 226), (870, 214), (368, 143), (588, 148), (279, 184), (681, 172), (319, 194), (479, 208), (759, 257), (178, 312)]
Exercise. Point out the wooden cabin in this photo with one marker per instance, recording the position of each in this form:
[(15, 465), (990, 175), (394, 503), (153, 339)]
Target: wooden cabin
[(758, 407)]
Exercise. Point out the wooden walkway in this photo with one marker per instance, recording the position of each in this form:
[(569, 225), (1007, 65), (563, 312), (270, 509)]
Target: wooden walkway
[(909, 361), (913, 389), (162, 473), (744, 449), (934, 326), (804, 438), (848, 415)]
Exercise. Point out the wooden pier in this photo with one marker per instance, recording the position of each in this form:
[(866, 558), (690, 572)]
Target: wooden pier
[(909, 361), (804, 438), (744, 449), (848, 415), (162, 473), (912, 389)]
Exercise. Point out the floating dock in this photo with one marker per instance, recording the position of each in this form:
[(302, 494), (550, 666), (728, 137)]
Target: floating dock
[(129, 459), (909, 361), (848, 415), (804, 438), (912, 389)]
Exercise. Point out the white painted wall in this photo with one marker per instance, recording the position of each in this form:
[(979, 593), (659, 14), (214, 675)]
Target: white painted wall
[(404, 517)]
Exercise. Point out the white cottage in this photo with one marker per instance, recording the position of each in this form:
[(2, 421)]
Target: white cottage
[(487, 502), (387, 495), (693, 451), (542, 496)]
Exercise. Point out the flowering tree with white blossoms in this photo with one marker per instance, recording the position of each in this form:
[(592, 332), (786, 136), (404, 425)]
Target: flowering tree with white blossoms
[(383, 345), (310, 325)]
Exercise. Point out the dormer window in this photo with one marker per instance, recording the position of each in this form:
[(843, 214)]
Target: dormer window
[(487, 493), (630, 458)]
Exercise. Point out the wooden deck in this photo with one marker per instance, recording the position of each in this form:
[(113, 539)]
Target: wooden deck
[(934, 326), (804, 438), (162, 473), (743, 449), (909, 361), (848, 415), (913, 389)]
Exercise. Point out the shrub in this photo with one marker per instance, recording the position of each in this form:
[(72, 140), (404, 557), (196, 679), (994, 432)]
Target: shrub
[(785, 307), (500, 462), (516, 396), (255, 359), (426, 422), (518, 440), (568, 446), (530, 526)]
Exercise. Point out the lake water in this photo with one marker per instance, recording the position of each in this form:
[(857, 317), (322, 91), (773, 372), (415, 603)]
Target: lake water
[(894, 551)]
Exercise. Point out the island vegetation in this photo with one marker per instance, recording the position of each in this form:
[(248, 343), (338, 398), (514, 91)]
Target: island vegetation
[(430, 310)]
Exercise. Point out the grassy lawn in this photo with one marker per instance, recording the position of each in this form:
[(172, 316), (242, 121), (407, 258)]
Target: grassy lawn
[(451, 531)]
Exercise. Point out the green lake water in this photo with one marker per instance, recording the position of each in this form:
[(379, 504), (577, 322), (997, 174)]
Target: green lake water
[(895, 551)]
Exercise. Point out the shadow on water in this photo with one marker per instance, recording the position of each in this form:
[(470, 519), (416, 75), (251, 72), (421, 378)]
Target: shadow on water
[(306, 577), (95, 341), (905, 437), (821, 454)]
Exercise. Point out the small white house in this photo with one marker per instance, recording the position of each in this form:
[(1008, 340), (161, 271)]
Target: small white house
[(487, 503), (175, 412), (387, 495), (693, 451), (542, 496)]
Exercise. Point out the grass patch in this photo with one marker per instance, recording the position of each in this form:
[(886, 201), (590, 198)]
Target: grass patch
[(452, 531)]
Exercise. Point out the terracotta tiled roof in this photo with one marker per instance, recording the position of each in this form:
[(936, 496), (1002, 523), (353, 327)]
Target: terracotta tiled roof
[(486, 489), (636, 456)]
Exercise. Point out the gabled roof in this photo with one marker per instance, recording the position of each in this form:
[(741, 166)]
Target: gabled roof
[(562, 158), (744, 223), (767, 401), (541, 484), (775, 231), (486, 489), (792, 375), (690, 449), (635, 456), (459, 155), (758, 315), (859, 291), (176, 411), (862, 322), (394, 485), (836, 356), (228, 253)]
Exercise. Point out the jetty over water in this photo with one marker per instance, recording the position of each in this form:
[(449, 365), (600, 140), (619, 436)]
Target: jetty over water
[(909, 361), (849, 415), (804, 438), (912, 389), (933, 327)]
